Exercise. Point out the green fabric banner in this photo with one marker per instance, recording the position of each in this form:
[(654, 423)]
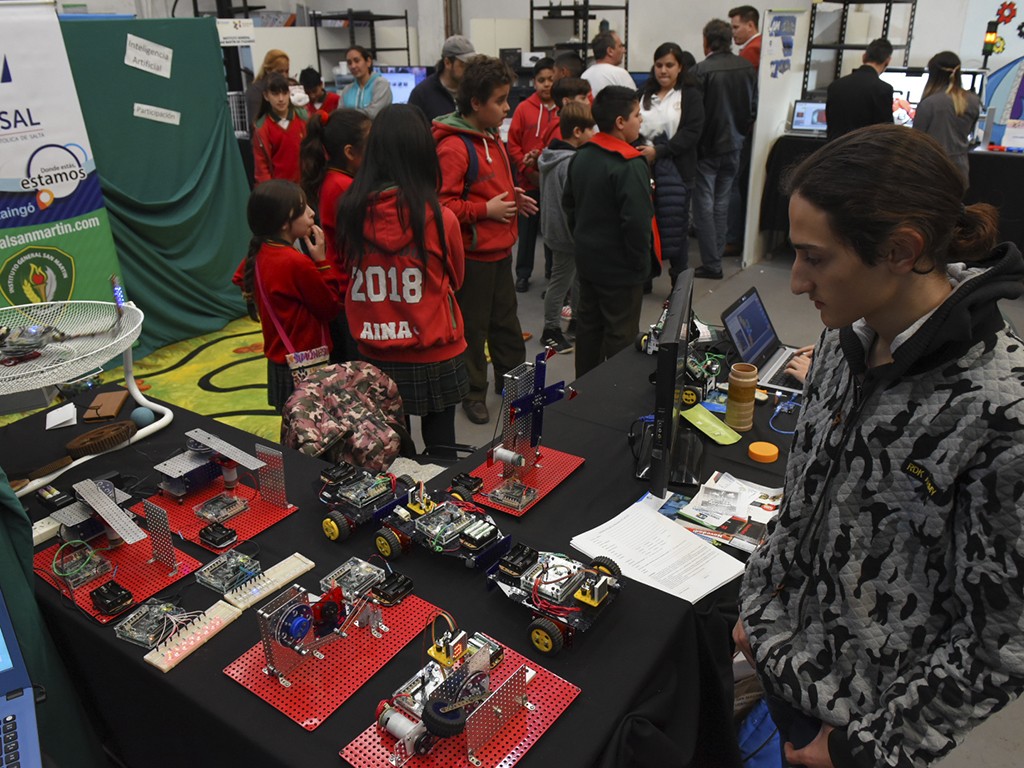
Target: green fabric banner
[(169, 167)]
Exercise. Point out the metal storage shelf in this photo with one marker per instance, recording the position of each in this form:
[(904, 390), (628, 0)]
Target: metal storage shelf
[(580, 13), (370, 19), (841, 46)]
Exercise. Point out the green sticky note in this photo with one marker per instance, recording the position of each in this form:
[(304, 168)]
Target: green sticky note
[(710, 425)]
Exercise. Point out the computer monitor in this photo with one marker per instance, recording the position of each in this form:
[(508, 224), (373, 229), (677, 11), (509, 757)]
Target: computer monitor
[(676, 448), (639, 78), (909, 82), (402, 80)]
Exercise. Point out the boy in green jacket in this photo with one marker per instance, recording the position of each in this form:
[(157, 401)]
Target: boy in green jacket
[(607, 201)]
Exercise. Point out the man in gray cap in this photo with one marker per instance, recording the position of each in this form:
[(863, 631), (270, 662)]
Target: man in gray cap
[(436, 95)]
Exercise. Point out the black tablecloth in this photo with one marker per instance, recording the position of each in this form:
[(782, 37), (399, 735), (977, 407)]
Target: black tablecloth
[(654, 671), (994, 180)]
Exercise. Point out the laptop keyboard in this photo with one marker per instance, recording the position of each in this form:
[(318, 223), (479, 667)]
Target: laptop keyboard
[(11, 757), (782, 379)]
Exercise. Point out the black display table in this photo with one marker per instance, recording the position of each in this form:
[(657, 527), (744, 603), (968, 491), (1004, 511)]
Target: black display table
[(655, 672)]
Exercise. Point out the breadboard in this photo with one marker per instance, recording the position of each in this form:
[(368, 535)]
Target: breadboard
[(549, 694), (269, 581), (133, 568), (547, 474), (190, 638), (183, 520), (319, 686)]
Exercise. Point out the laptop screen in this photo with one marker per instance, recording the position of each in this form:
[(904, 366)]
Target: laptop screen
[(750, 329), (808, 116), (6, 662)]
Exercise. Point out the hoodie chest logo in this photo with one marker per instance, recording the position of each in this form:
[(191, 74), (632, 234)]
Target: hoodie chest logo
[(922, 475)]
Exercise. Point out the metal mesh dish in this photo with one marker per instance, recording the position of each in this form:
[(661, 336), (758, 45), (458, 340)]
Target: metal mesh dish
[(89, 334)]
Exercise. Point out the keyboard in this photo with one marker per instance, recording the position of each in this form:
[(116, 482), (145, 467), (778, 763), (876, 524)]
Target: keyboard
[(782, 379), (11, 756)]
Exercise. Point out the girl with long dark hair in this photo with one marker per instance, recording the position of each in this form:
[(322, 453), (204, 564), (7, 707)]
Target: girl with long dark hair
[(405, 256)]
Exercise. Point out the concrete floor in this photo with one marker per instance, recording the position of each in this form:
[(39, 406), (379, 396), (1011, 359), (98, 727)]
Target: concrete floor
[(997, 743)]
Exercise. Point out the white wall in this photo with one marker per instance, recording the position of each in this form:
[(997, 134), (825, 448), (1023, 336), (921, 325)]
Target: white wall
[(940, 24)]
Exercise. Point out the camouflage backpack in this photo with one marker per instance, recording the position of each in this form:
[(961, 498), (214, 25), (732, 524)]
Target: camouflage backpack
[(350, 412)]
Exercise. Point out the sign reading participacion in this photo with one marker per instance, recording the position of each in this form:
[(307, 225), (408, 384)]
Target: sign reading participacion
[(149, 57), (157, 114)]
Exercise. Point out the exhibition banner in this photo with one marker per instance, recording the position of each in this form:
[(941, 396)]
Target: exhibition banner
[(55, 240)]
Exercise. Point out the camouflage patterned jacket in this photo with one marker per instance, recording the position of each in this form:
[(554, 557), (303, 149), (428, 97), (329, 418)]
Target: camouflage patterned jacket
[(350, 412), (899, 547)]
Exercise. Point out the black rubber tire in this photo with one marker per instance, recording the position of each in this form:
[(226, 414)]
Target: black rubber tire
[(546, 637), (461, 492), (335, 521), (443, 724), (388, 544), (606, 565), (404, 480), (641, 341)]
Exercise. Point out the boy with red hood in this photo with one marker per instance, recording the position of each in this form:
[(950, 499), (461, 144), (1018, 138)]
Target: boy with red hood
[(607, 202), (531, 123), (477, 186)]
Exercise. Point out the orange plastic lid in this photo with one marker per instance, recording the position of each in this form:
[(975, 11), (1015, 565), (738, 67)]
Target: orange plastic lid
[(765, 453)]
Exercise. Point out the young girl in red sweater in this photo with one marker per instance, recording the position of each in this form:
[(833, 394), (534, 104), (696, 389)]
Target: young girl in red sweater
[(280, 129), (406, 259), (331, 154), (295, 294)]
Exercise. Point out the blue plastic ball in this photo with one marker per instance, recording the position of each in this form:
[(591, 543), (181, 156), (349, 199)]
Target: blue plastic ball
[(143, 417)]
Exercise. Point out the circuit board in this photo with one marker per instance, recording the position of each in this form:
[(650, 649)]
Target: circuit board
[(448, 529)]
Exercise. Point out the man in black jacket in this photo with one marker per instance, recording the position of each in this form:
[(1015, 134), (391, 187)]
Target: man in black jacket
[(728, 83), (862, 97), (436, 95)]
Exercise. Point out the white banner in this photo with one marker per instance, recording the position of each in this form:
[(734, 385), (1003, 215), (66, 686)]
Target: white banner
[(55, 241)]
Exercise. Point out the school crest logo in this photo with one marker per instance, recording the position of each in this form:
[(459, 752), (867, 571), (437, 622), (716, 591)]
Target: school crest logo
[(38, 274)]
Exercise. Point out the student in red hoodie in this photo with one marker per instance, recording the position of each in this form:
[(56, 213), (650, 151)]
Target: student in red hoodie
[(331, 154), (406, 258), (531, 123), (295, 294), (477, 185), (321, 101), (279, 132)]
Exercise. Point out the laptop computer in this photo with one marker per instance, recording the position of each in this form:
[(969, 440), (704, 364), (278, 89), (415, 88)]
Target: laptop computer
[(808, 119), (20, 732), (750, 329)]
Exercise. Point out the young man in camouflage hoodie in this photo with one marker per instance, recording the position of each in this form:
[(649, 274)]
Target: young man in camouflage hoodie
[(885, 614)]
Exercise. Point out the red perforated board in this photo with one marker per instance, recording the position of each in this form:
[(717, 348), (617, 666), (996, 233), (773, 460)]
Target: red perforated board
[(546, 475), (183, 520), (131, 570), (320, 686), (549, 694)]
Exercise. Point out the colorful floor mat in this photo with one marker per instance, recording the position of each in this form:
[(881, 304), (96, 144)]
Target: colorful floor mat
[(222, 375)]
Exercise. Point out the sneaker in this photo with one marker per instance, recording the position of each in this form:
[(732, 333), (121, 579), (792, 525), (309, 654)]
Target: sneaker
[(476, 410), (567, 313), (553, 338), (707, 274), (522, 285)]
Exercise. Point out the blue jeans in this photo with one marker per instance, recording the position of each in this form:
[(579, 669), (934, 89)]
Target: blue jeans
[(715, 176)]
